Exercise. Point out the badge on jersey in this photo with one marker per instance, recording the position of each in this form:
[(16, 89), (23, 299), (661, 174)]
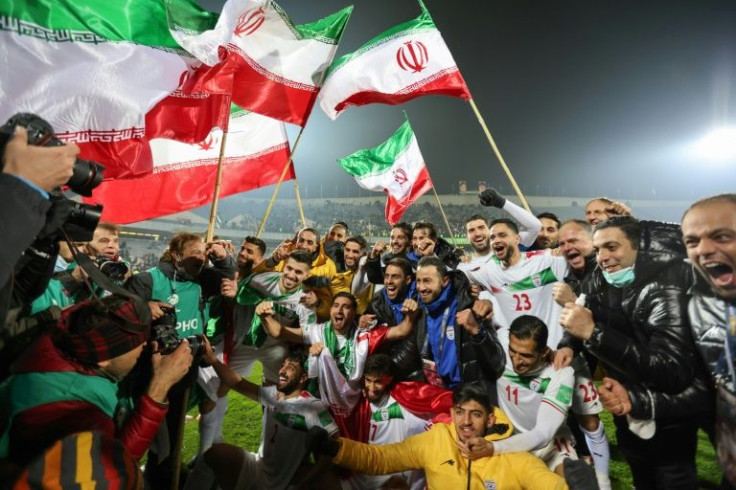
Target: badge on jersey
[(450, 332), (490, 485), (173, 299)]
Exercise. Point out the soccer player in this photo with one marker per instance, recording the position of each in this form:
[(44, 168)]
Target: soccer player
[(535, 396), (289, 411)]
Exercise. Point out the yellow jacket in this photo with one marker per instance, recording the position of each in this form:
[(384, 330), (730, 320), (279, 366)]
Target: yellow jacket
[(436, 452), (343, 282)]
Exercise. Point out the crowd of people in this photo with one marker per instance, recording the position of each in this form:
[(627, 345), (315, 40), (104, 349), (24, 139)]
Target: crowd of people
[(406, 363)]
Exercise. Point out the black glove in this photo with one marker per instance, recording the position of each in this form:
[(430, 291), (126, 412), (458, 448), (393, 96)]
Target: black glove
[(319, 442), (491, 197), (579, 475)]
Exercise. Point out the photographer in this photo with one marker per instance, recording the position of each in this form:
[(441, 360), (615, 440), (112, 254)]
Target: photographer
[(28, 174), (181, 282), (67, 382), (69, 287)]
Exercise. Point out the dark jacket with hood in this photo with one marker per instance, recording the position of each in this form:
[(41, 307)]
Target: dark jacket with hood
[(642, 332), (481, 357)]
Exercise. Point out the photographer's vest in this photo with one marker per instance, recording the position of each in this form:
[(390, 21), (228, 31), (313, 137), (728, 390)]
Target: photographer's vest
[(191, 312), (24, 391)]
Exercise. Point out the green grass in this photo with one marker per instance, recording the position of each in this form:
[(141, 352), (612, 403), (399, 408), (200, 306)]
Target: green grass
[(243, 427)]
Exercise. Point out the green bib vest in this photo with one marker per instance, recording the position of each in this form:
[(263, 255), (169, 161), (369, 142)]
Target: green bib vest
[(190, 319)]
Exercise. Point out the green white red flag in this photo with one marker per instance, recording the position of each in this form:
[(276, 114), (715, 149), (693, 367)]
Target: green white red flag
[(183, 178), (277, 66), (398, 65), (395, 167), (109, 76)]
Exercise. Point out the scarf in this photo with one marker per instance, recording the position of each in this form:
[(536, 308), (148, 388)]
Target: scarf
[(441, 333)]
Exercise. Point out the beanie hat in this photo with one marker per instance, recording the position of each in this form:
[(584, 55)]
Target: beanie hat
[(97, 330)]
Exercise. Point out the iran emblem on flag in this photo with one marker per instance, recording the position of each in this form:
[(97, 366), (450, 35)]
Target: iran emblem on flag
[(395, 167)]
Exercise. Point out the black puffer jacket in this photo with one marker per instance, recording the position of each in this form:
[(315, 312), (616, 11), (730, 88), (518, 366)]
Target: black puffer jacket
[(642, 331), (444, 251), (481, 357)]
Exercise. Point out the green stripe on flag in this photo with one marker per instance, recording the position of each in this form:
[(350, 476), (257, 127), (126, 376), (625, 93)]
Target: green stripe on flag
[(421, 23), (143, 22), (534, 281), (375, 161), (327, 30)]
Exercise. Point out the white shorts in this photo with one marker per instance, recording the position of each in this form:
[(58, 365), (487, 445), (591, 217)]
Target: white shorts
[(561, 447), (271, 355), (585, 398)]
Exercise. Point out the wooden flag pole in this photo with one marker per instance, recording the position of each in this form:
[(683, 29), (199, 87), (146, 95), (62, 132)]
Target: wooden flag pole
[(444, 216), (278, 185), (299, 203), (216, 199), (498, 155)]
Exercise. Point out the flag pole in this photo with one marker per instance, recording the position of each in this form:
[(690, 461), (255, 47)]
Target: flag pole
[(278, 184), (444, 216), (293, 149), (216, 199), (498, 155), (299, 203)]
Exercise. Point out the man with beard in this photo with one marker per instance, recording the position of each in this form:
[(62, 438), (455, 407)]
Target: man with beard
[(446, 451), (339, 348), (381, 253), (637, 326), (390, 412), (289, 411), (548, 234), (306, 240), (182, 283), (450, 356), (523, 284), (385, 309), (536, 397), (426, 242), (351, 279)]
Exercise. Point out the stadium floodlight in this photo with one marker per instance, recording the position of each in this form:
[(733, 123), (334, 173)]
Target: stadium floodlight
[(718, 146)]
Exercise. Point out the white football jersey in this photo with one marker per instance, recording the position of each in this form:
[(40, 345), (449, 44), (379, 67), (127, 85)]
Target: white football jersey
[(284, 433), (524, 289), (520, 396), (391, 423), (293, 312)]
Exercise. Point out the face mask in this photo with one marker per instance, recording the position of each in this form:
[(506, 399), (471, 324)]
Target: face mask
[(620, 279)]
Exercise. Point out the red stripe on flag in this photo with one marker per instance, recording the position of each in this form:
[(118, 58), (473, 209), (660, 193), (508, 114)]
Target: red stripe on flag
[(159, 194), (450, 84), (257, 90), (394, 208), (185, 119)]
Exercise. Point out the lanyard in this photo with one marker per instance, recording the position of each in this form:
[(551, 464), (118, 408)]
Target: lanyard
[(443, 334)]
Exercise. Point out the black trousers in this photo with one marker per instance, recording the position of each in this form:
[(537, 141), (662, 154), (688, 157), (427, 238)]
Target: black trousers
[(664, 462)]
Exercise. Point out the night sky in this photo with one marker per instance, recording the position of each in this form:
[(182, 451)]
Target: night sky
[(583, 98)]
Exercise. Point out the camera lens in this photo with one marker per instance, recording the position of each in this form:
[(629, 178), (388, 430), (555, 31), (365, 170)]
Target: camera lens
[(86, 176)]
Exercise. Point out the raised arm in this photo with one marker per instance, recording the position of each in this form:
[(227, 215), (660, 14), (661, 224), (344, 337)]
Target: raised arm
[(265, 311)]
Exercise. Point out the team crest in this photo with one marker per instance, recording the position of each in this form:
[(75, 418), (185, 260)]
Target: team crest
[(451, 332), (490, 485), (537, 280), (384, 414), (534, 385)]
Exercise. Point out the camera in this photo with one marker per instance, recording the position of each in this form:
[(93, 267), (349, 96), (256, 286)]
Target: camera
[(86, 175), (114, 269), (79, 220), (164, 333)]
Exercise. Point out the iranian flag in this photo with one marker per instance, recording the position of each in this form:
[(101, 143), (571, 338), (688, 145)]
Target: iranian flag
[(277, 66), (183, 177), (109, 76), (405, 62), (395, 167)]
